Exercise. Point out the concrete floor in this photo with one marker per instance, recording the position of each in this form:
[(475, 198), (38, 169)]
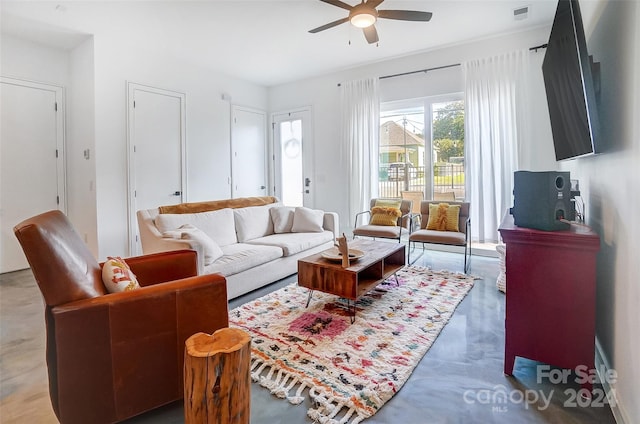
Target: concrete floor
[(459, 380)]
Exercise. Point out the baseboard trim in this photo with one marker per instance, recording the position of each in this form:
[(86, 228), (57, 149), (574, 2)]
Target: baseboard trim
[(602, 364), (457, 249)]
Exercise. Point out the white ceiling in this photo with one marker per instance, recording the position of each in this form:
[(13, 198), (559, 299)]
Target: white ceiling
[(266, 41)]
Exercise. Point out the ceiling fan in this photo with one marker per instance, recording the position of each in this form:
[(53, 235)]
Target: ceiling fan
[(365, 15)]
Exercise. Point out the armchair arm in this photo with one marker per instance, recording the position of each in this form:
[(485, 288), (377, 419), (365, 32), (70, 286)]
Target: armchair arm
[(467, 230), (355, 225), (116, 352), (406, 221), (214, 285), (164, 266), (330, 223)]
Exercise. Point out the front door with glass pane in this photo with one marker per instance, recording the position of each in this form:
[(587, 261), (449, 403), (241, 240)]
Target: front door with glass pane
[(293, 176)]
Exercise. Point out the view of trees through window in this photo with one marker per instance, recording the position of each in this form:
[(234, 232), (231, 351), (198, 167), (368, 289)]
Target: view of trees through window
[(430, 161)]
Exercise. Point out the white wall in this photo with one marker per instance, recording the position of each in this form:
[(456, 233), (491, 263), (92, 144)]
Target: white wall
[(81, 171), (34, 62), (609, 184), (323, 94), (207, 127)]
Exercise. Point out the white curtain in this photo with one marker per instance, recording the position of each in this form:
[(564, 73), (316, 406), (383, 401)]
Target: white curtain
[(496, 122), (360, 124)]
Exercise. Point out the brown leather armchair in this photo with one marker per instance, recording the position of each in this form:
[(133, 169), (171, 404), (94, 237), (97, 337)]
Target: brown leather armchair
[(113, 356)]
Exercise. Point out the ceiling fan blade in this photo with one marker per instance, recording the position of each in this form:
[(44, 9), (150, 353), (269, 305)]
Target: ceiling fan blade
[(405, 15), (370, 34), (374, 3), (329, 25), (339, 4)]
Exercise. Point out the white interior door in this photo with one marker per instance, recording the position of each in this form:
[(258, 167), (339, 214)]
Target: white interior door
[(156, 152), (32, 173), (293, 158), (248, 152)]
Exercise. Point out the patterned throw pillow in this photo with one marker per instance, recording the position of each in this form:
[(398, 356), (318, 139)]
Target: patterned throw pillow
[(443, 217), (381, 215), (117, 276)]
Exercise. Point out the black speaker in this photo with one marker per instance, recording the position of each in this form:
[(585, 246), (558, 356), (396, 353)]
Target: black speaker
[(542, 199)]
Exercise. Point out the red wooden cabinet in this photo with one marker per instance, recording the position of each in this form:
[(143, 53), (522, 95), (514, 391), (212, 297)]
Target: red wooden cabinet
[(550, 305)]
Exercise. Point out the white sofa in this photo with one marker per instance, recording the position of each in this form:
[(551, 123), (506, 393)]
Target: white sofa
[(251, 246)]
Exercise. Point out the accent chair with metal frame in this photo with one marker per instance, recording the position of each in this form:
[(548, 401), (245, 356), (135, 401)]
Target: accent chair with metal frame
[(416, 197), (446, 196), (402, 227), (460, 238)]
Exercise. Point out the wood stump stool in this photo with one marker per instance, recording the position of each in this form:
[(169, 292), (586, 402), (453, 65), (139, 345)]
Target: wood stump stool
[(217, 377)]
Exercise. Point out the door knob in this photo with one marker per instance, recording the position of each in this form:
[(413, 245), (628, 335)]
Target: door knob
[(262, 187), (307, 182), (176, 193)]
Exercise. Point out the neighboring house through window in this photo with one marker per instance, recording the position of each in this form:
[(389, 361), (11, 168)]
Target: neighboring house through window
[(422, 147)]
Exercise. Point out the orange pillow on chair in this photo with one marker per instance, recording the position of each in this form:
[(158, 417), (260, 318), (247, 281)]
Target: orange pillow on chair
[(443, 217), (381, 215)]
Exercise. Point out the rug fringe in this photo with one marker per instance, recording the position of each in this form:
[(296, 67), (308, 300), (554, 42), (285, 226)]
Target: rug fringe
[(327, 409), (280, 383)]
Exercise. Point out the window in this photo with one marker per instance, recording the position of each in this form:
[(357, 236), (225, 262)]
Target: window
[(447, 138), (422, 148)]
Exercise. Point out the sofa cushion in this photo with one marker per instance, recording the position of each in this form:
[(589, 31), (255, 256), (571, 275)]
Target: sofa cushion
[(292, 243), (282, 218), (253, 222), (307, 220), (240, 257), (219, 225)]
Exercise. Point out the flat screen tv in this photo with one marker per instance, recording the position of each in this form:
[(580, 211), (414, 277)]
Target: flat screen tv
[(570, 87)]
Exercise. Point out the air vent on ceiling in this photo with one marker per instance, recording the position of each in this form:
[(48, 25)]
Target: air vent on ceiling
[(521, 13)]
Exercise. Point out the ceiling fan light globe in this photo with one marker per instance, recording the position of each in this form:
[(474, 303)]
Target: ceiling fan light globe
[(363, 20)]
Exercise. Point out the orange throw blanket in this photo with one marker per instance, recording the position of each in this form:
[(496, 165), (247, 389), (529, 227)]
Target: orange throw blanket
[(213, 205)]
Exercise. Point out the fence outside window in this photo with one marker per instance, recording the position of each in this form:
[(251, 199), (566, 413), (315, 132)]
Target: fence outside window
[(447, 177)]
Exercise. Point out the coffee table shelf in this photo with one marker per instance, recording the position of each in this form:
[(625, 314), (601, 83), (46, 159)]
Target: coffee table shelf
[(381, 261)]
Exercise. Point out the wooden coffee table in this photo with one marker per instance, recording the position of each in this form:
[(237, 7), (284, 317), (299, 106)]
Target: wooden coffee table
[(380, 261)]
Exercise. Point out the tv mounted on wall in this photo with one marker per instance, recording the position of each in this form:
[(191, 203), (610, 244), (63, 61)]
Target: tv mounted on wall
[(568, 73)]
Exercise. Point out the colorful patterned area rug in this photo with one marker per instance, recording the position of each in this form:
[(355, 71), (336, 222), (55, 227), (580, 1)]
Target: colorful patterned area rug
[(348, 370)]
